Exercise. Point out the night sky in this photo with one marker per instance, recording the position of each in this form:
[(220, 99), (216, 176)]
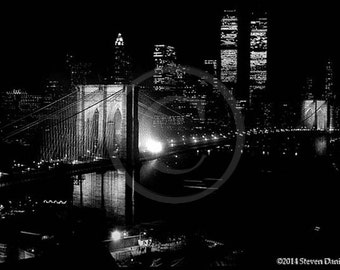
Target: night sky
[(35, 39)]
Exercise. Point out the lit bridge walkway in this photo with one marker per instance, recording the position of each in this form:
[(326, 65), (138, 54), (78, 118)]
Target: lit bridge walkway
[(59, 168), (98, 127), (69, 169)]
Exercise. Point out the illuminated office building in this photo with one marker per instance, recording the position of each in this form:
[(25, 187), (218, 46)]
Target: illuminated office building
[(16, 104), (287, 115), (334, 107), (214, 97), (328, 94), (229, 47), (78, 72), (195, 103), (308, 89), (121, 63), (165, 67), (55, 87), (329, 82), (211, 67), (258, 58), (168, 90)]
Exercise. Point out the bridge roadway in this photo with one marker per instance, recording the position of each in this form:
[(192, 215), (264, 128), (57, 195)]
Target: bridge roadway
[(65, 170), (51, 170)]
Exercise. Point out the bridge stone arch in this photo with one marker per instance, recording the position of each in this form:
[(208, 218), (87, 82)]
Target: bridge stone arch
[(117, 127), (114, 107)]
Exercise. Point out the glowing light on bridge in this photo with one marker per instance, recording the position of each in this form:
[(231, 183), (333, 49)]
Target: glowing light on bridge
[(116, 236), (153, 146)]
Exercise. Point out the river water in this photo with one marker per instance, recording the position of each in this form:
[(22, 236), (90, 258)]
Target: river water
[(282, 188), (285, 183)]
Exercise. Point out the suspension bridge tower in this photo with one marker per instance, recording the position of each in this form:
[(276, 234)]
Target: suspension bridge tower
[(107, 122)]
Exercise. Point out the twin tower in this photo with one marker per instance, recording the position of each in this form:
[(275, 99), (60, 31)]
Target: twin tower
[(230, 54)]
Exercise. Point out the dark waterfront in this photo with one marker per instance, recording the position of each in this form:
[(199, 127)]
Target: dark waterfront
[(281, 200)]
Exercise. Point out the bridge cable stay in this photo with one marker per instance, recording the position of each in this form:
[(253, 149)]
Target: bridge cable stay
[(141, 105), (151, 109), (57, 136), (166, 107), (52, 138), (64, 108), (55, 139), (47, 117), (64, 112), (92, 146), (92, 105), (38, 110), (313, 114)]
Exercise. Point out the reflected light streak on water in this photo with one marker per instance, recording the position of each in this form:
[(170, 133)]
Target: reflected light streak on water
[(103, 191)]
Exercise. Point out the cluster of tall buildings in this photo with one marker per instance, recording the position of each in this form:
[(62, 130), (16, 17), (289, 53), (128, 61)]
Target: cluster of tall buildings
[(183, 97), (164, 78), (251, 98), (189, 104), (18, 103), (226, 68), (318, 108), (207, 101)]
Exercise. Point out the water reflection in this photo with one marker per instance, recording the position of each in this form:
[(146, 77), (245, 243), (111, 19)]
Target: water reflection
[(105, 191), (321, 146), (108, 190)]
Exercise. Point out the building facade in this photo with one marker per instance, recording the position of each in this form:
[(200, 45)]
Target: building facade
[(229, 49), (164, 78), (121, 73), (258, 58)]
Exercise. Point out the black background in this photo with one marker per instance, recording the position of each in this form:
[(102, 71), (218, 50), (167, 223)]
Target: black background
[(36, 37)]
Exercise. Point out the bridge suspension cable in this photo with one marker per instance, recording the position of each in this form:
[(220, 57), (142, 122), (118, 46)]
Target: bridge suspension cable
[(313, 114), (166, 107), (63, 109), (59, 136), (38, 110)]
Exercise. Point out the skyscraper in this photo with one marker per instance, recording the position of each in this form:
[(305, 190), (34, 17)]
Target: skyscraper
[(121, 64), (214, 97), (165, 64), (165, 86), (307, 89), (16, 104), (258, 58), (211, 67), (229, 46), (328, 93), (78, 72)]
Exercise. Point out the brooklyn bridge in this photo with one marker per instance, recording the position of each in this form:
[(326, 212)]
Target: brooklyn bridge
[(96, 126), (97, 141)]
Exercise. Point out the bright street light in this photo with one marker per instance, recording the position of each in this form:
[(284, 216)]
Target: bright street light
[(153, 146), (116, 236)]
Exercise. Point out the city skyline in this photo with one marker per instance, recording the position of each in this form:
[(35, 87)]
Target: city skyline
[(287, 37), (175, 168)]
